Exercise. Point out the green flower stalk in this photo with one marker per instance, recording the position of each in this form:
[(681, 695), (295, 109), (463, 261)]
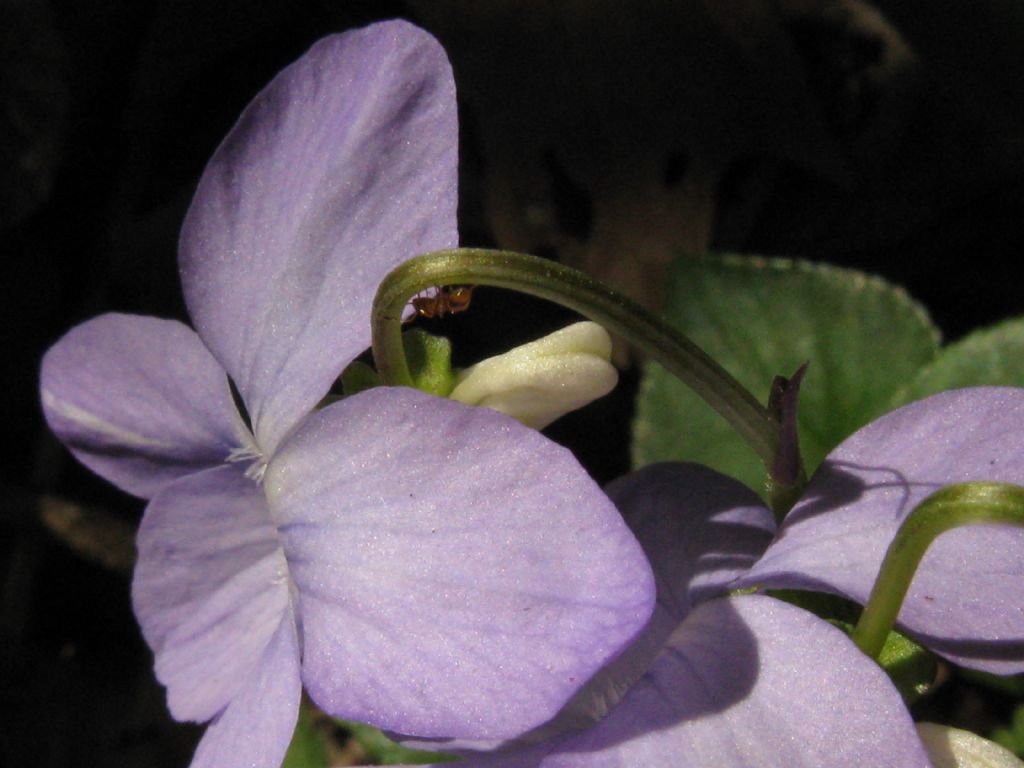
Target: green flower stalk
[(575, 290)]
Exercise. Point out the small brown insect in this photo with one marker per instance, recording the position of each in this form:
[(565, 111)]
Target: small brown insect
[(448, 300)]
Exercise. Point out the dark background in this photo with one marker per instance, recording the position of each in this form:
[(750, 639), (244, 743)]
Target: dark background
[(612, 135)]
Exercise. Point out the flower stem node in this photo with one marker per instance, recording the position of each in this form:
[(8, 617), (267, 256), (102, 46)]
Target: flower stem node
[(786, 477), (539, 382)]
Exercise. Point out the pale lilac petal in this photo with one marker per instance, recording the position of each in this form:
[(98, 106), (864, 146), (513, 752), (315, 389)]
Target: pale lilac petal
[(965, 600), (458, 574), (257, 726), (210, 587), (140, 401), (747, 681), (341, 169)]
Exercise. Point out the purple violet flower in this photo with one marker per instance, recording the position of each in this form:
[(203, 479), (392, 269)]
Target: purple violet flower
[(965, 600), (748, 680), (417, 564)]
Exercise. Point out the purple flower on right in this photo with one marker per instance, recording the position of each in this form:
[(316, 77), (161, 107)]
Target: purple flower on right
[(720, 679)]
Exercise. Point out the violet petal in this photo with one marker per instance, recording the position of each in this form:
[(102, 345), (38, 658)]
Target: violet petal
[(140, 401), (699, 528), (257, 726), (339, 170), (746, 681), (458, 573), (210, 587), (965, 600)]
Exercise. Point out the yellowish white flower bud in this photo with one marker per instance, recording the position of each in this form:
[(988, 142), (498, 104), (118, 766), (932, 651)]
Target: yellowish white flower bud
[(953, 748), (540, 381)]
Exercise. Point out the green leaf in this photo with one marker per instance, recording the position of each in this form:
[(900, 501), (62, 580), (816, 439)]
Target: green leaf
[(309, 746), (380, 750), (863, 337), (1012, 736), (994, 355)]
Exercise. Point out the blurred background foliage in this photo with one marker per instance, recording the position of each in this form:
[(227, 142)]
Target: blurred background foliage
[(615, 135)]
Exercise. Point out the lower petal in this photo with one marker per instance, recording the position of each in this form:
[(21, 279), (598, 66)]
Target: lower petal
[(747, 681), (210, 587), (458, 574), (256, 727)]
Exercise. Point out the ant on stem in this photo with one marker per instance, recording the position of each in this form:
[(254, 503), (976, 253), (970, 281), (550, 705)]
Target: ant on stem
[(448, 300)]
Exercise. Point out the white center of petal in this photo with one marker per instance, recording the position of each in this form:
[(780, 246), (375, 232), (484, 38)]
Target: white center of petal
[(90, 421)]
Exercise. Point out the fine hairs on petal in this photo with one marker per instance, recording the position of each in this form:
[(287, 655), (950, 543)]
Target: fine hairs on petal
[(251, 454)]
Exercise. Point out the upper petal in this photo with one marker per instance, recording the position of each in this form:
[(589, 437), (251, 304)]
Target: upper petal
[(257, 726), (964, 601), (210, 587), (140, 401), (458, 574), (340, 169), (747, 681)]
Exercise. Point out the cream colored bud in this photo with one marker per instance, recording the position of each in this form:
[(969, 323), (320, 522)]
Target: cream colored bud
[(953, 748), (540, 381)]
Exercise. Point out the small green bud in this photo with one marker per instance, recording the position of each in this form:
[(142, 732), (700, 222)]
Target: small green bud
[(430, 362)]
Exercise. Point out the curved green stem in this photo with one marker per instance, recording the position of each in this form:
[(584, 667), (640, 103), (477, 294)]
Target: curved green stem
[(577, 291), (948, 508)]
